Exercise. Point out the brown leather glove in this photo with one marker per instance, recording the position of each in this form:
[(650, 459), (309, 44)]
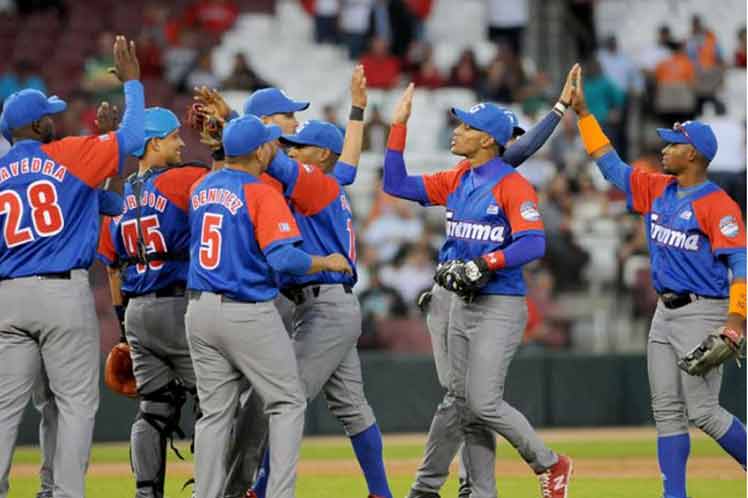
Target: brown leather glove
[(118, 374)]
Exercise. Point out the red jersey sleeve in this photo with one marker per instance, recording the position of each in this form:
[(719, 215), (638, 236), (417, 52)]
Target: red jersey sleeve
[(272, 182), (106, 245), (721, 220), (644, 187), (177, 183), (270, 215), (519, 201), (92, 159), (313, 190), (439, 185)]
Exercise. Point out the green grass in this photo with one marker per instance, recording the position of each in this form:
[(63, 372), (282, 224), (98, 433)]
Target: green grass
[(347, 486)]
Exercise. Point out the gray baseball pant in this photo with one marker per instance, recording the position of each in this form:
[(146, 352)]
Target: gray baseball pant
[(58, 328), (483, 337), (163, 372), (676, 396), (445, 433), (230, 341), (44, 402)]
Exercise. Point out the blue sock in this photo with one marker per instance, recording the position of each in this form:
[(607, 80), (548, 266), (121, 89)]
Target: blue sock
[(261, 483), (368, 448), (672, 453), (733, 442)]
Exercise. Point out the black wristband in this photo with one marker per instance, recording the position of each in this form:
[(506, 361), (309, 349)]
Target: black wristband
[(357, 113), (218, 154)]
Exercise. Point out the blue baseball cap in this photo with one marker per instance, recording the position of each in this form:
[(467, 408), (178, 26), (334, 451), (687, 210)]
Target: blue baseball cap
[(269, 101), (317, 133), (695, 133), (25, 107), (247, 133), (489, 118), (159, 123), (517, 130)]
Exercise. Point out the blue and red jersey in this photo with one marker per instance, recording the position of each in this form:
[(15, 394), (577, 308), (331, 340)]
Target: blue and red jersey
[(235, 220), (154, 214), (689, 234), (487, 209), (322, 211), (49, 203)]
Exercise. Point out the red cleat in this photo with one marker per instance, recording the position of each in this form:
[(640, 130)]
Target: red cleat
[(250, 493), (554, 482)]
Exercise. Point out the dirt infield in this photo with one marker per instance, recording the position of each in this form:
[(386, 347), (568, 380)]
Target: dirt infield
[(624, 467)]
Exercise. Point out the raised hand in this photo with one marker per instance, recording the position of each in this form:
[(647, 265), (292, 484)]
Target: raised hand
[(358, 87), (404, 105), (107, 117), (126, 65), (567, 93), (578, 103), (212, 102)]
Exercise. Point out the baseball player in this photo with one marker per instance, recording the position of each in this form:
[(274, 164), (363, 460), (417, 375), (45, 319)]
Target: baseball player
[(48, 208), (242, 232), (327, 318), (146, 251), (493, 228), (695, 235), (445, 436)]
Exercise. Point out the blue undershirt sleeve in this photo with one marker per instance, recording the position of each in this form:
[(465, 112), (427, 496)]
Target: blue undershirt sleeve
[(615, 170), (131, 132), (737, 261), (285, 258), (344, 173), (530, 142), (523, 250), (398, 183), (285, 170)]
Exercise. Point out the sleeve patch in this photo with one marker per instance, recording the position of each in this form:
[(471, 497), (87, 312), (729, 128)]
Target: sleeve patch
[(729, 227), (529, 211)]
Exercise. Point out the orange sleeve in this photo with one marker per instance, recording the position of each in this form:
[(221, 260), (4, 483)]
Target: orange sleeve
[(314, 190), (721, 220), (106, 245), (270, 215), (644, 187), (92, 159), (519, 201), (439, 185), (272, 182), (177, 183)]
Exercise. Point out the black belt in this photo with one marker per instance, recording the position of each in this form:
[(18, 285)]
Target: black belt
[(673, 300), (196, 295), (62, 275), (296, 293), (176, 290)]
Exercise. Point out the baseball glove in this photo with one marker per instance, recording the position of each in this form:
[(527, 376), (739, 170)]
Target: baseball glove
[(718, 347), (118, 374), (465, 278), (423, 300)]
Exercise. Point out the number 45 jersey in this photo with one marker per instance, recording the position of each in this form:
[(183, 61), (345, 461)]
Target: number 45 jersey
[(154, 228), (49, 211)]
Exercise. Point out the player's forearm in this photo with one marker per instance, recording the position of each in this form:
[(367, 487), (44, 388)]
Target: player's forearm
[(354, 138), (396, 180), (530, 142), (607, 159), (289, 259), (344, 173), (131, 132), (115, 286), (285, 170), (520, 252)]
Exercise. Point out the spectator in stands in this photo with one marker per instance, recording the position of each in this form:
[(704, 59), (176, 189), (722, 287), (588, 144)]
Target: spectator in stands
[(465, 73), (739, 57), (23, 75), (203, 74), (727, 169), (354, 25), (179, 59), (376, 130), (330, 114), (544, 329), (605, 101), (149, 56), (651, 57), (213, 17), (393, 21), (378, 302), (507, 20), (325, 14), (411, 271), (567, 149), (421, 9), (382, 69), (96, 76), (675, 78), (243, 76), (706, 56), (159, 24), (504, 80), (619, 68), (427, 75)]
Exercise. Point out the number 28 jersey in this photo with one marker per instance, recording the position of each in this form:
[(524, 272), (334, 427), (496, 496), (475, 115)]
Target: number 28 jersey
[(49, 204)]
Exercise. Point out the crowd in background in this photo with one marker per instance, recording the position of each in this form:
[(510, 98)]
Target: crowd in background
[(674, 80)]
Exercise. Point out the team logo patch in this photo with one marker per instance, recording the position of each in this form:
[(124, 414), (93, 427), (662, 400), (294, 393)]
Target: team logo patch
[(284, 227), (104, 137), (492, 209), (529, 211), (729, 226), (686, 215)]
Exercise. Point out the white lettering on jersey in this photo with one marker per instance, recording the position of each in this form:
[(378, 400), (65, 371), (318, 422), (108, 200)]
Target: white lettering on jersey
[(46, 167), (475, 231), (674, 238), (221, 196), (284, 227), (147, 199)]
